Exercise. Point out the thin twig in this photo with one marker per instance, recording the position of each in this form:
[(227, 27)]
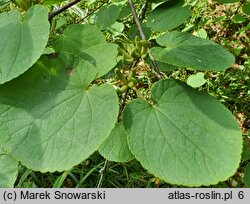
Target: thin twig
[(143, 37), (143, 11), (102, 171), (105, 2), (136, 19), (61, 9)]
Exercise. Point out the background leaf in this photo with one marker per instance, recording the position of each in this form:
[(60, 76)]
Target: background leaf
[(23, 40), (51, 2), (246, 8), (238, 18), (196, 80), (133, 31), (168, 15), (186, 137), (107, 15), (185, 50)]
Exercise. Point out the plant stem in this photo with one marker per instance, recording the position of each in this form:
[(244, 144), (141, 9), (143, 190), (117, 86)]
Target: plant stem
[(124, 99), (136, 19), (102, 171), (143, 37), (143, 11), (61, 9)]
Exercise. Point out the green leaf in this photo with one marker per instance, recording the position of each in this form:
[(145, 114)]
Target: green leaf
[(168, 15), (238, 18), (52, 2), (3, 3), (115, 147), (22, 41), (186, 137), (164, 67), (196, 80), (89, 40), (186, 50), (60, 180), (116, 28), (79, 37), (246, 178), (156, 1), (246, 8), (202, 33), (23, 178), (227, 1), (133, 31), (51, 119), (245, 152), (8, 170), (107, 15), (125, 12)]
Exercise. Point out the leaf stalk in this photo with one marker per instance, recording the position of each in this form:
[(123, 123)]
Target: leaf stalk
[(62, 9)]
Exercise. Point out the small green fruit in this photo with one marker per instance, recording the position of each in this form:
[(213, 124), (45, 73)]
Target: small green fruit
[(120, 76), (122, 89), (136, 54), (131, 84)]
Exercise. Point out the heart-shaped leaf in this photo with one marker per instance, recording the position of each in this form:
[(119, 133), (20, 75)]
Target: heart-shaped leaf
[(186, 137), (50, 119), (107, 15), (8, 170), (185, 50), (196, 80), (90, 40), (116, 28), (22, 40), (202, 33), (168, 15), (115, 147)]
